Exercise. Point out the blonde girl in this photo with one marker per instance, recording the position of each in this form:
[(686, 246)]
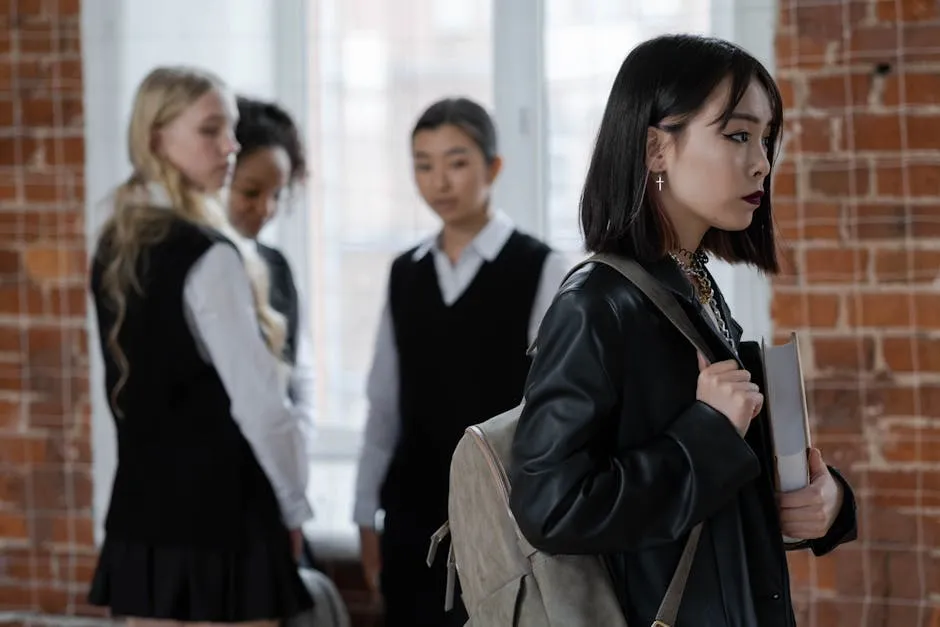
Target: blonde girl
[(209, 491)]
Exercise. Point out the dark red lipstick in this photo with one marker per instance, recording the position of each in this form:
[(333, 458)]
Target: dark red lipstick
[(754, 198)]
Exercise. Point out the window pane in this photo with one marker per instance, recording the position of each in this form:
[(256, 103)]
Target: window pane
[(374, 65), (584, 45)]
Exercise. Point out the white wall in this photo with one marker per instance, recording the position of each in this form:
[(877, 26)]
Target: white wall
[(122, 41)]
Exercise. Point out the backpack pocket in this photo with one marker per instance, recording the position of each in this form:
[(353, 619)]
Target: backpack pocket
[(516, 604), (577, 591)]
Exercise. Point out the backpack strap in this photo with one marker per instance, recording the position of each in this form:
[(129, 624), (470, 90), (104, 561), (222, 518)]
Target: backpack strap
[(664, 301), (667, 304)]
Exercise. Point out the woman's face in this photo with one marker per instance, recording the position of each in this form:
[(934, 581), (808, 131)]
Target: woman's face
[(714, 174), (452, 174), (200, 142), (259, 180)]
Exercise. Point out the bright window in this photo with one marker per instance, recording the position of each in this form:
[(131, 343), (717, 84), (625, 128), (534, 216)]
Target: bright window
[(584, 46), (373, 67)]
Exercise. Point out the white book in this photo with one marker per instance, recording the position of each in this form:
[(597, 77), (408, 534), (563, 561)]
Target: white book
[(785, 402)]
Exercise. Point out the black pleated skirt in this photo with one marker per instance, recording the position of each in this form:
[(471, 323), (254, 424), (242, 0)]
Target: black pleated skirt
[(257, 582)]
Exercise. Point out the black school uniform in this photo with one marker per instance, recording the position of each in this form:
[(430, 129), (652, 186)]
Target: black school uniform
[(285, 299), (458, 365), (194, 529)]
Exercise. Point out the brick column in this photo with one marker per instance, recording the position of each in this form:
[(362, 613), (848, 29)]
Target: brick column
[(858, 203), (46, 546)]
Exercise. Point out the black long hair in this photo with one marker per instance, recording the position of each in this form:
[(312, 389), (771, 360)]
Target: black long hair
[(671, 76)]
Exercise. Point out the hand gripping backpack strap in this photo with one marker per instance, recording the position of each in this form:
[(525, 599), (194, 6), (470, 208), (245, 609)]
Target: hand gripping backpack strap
[(665, 302)]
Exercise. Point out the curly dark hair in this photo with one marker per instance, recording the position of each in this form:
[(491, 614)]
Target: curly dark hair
[(263, 124)]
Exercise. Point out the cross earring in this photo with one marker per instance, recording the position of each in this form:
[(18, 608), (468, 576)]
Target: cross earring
[(659, 182)]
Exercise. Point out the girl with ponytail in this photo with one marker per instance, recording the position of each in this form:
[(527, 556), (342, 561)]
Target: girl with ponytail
[(209, 491)]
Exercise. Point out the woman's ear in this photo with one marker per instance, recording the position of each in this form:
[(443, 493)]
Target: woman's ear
[(656, 140), (493, 169)]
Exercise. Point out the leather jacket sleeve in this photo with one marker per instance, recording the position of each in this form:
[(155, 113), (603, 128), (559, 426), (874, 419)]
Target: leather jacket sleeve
[(572, 490)]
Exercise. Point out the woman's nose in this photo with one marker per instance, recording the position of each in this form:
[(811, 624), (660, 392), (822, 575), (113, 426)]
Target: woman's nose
[(442, 181)]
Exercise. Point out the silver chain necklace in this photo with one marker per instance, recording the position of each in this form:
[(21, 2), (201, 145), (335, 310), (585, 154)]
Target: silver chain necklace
[(693, 265)]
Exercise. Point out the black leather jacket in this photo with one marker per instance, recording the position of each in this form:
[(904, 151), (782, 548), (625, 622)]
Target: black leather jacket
[(613, 455)]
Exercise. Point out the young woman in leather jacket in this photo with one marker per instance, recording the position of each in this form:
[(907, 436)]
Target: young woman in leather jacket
[(629, 438)]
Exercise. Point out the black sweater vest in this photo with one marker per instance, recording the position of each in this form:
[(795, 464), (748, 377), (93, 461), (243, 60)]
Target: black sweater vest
[(458, 365), (186, 476), (282, 296)]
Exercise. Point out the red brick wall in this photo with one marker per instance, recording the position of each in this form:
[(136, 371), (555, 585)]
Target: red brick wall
[(858, 201), (46, 546)]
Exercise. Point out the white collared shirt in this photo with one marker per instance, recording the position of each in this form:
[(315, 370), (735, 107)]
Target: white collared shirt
[(454, 278), (384, 420), (221, 314)]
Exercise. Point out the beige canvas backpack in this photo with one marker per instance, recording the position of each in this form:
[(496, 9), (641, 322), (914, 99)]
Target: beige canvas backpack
[(505, 581)]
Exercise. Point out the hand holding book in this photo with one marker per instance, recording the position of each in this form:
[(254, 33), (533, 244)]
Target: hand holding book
[(808, 497), (808, 513)]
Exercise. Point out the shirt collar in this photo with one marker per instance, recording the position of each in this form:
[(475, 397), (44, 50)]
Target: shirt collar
[(488, 242)]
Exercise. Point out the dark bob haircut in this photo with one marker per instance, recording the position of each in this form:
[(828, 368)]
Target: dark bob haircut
[(670, 77), (263, 125), (466, 115)]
